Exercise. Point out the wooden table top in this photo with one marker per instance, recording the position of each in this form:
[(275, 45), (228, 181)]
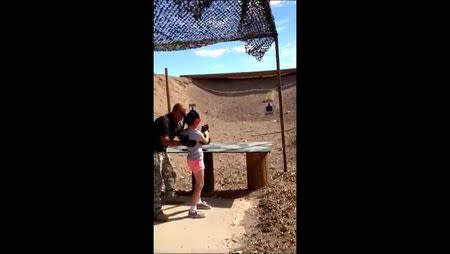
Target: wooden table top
[(229, 147)]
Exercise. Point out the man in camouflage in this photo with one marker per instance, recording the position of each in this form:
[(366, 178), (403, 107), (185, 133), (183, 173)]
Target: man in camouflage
[(166, 128)]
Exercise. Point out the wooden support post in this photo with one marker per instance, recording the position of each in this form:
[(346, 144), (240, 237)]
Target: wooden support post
[(281, 103), (209, 173), (256, 170), (167, 90)]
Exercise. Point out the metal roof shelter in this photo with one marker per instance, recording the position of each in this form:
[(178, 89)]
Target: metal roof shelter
[(186, 24)]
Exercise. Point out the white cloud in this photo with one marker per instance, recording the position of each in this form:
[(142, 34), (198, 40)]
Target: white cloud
[(210, 52), (281, 21), (288, 65), (239, 49), (288, 55), (276, 3), (280, 24), (281, 28), (288, 50)]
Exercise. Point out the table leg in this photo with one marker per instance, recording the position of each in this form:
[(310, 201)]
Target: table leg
[(256, 170), (209, 173)]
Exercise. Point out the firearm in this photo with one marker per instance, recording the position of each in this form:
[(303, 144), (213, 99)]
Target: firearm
[(204, 129)]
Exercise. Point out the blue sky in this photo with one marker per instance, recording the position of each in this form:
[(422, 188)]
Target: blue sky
[(230, 56)]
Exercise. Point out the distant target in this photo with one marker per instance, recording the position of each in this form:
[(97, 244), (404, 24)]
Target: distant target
[(268, 106)]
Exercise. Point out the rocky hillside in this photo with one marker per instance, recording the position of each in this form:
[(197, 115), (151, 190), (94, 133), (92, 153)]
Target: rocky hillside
[(235, 112)]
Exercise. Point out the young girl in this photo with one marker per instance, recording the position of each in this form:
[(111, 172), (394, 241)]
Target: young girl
[(195, 162)]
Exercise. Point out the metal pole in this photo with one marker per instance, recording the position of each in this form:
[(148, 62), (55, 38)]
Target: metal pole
[(167, 89), (281, 102)]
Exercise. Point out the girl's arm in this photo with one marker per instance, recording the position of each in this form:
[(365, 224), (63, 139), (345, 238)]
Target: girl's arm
[(205, 139)]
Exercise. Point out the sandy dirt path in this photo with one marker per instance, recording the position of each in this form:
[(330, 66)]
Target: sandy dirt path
[(219, 232), (235, 111)]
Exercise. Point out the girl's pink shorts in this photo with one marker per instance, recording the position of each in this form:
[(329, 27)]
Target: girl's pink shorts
[(195, 165)]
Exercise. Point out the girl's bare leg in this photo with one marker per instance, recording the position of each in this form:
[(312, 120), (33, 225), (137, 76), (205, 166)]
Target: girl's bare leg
[(199, 175)]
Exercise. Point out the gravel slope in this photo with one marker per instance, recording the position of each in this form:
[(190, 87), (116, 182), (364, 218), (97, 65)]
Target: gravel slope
[(234, 110)]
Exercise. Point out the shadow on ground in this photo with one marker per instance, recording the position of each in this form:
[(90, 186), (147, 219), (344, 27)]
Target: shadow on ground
[(232, 194), (172, 214), (217, 199)]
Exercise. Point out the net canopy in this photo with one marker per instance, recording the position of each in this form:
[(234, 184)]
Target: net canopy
[(186, 24)]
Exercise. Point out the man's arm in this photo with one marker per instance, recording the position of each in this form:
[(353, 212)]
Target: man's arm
[(165, 140)]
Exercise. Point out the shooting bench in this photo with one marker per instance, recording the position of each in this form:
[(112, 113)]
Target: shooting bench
[(256, 156)]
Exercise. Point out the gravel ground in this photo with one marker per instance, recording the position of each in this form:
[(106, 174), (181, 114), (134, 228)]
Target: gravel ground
[(271, 225)]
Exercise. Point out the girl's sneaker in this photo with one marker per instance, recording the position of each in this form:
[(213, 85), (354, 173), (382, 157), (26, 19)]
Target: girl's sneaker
[(204, 206), (196, 215)]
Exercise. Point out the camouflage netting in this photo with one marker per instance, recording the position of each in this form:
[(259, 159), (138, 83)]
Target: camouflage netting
[(185, 24)]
